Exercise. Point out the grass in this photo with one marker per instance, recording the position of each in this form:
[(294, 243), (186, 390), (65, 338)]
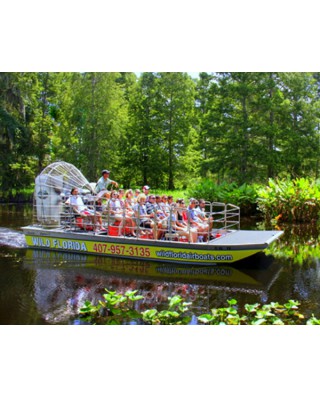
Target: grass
[(175, 193)]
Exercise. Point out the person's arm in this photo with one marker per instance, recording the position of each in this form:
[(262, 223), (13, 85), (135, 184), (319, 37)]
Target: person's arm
[(73, 204), (150, 211), (112, 208), (115, 183)]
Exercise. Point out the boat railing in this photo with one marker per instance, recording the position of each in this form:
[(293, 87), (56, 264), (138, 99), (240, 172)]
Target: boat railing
[(221, 218), (228, 217)]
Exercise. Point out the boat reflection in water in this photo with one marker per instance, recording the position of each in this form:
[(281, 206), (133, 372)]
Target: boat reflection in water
[(64, 281)]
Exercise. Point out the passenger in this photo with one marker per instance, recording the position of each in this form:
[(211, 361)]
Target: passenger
[(116, 202), (142, 218), (194, 221), (146, 190), (170, 200), (105, 201), (182, 212), (182, 220), (164, 198), (128, 198), (105, 181), (165, 205), (118, 212), (78, 206), (158, 202), (162, 216), (121, 194), (178, 227), (136, 194), (150, 207), (128, 203), (157, 215), (200, 211)]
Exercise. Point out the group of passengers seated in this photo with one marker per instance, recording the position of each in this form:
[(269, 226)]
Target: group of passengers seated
[(137, 213)]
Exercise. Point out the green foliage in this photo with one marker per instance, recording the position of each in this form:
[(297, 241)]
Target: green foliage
[(313, 321), (287, 200), (118, 308), (255, 314), (244, 196), (223, 316), (16, 152), (114, 309), (175, 315), (162, 129), (96, 120), (156, 145)]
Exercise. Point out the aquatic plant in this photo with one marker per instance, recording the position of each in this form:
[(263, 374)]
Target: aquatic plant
[(174, 315), (114, 309), (255, 314), (117, 308)]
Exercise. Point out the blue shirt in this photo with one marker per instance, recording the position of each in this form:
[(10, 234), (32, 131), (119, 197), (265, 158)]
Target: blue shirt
[(103, 184)]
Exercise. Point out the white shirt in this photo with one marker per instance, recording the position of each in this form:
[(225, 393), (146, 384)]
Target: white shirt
[(77, 202), (115, 205)]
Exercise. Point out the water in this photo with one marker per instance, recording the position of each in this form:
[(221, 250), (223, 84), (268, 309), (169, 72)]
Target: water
[(42, 287)]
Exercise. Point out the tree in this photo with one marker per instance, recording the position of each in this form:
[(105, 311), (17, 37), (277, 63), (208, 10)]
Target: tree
[(140, 156), (40, 99), (161, 129), (258, 125), (229, 133), (16, 167), (299, 142), (95, 122), (175, 104)]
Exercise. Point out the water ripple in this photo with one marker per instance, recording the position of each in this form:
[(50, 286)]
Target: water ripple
[(12, 238)]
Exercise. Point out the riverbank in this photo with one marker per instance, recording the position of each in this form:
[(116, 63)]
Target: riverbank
[(20, 198)]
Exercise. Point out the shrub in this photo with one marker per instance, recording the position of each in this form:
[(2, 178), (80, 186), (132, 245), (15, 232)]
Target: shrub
[(244, 196), (288, 200)]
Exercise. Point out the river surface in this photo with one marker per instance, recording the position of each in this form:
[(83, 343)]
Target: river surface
[(42, 287)]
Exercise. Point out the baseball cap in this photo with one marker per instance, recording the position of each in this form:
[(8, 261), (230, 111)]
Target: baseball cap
[(146, 187)]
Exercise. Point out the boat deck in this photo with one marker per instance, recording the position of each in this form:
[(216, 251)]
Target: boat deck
[(246, 237)]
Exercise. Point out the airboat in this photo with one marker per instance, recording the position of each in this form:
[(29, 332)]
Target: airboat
[(57, 227)]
